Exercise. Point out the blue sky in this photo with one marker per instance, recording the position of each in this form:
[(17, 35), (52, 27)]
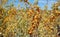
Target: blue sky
[(41, 3)]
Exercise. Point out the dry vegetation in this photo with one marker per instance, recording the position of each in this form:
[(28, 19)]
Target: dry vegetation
[(29, 22)]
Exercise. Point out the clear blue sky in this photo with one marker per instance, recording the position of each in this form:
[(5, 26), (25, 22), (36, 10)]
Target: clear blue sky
[(41, 3)]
